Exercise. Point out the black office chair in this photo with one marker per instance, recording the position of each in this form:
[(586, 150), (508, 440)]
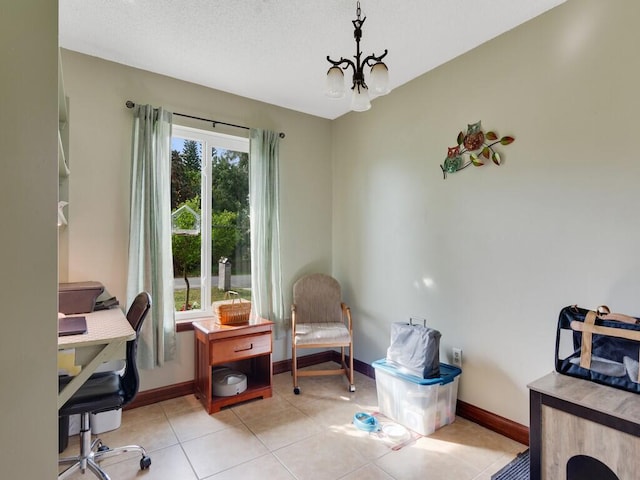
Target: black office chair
[(103, 392)]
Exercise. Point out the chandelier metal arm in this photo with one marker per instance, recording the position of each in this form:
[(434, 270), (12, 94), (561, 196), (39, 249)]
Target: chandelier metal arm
[(371, 59), (338, 63), (358, 69)]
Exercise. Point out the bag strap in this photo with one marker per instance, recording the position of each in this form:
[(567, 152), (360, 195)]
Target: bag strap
[(608, 331), (620, 317), (585, 347)]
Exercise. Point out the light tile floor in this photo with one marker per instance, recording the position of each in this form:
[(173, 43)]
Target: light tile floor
[(305, 437)]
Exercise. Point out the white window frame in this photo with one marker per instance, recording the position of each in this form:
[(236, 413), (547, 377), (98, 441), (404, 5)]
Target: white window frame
[(208, 141)]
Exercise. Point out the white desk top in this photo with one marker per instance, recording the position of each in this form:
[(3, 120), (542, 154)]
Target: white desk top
[(104, 326), (107, 334)]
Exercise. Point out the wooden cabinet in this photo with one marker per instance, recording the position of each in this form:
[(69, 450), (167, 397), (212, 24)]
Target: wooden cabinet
[(246, 348), (574, 420)]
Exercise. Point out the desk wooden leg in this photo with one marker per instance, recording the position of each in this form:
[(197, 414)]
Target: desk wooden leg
[(72, 387)]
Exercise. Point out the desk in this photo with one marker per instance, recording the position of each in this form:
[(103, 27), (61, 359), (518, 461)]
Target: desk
[(571, 417), (108, 332), (246, 348)]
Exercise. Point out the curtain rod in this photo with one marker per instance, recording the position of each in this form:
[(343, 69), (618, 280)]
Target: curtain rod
[(131, 104)]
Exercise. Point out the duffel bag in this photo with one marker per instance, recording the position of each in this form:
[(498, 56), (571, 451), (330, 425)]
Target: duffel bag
[(602, 347)]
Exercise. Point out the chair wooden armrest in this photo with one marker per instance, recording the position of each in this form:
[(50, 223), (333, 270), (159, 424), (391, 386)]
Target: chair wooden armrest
[(293, 318), (346, 311)]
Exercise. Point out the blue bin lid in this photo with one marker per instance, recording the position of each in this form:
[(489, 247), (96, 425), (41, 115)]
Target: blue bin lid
[(447, 373)]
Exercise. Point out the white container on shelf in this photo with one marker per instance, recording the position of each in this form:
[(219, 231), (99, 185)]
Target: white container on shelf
[(228, 382), (423, 405)]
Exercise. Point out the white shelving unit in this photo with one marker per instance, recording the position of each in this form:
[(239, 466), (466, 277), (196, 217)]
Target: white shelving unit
[(63, 168), (63, 177), (63, 138)]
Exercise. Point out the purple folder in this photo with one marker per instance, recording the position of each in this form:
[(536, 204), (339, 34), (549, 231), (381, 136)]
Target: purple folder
[(71, 326)]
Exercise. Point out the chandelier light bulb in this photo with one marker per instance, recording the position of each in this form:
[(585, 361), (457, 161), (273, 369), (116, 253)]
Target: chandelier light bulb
[(335, 83), (379, 79), (360, 100)]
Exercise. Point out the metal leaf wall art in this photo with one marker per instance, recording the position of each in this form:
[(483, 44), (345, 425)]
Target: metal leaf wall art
[(476, 146)]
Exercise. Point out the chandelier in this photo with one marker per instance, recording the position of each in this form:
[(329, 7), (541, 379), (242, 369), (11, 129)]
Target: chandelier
[(379, 73)]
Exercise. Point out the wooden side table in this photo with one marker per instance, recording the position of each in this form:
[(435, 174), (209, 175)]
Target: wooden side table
[(246, 348), (573, 419)]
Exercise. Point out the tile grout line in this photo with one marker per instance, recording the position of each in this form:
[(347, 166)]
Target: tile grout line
[(195, 474)]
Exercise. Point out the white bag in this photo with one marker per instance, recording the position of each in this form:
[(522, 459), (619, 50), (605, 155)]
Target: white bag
[(415, 349)]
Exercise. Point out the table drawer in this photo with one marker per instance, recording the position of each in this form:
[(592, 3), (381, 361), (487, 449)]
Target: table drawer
[(237, 348)]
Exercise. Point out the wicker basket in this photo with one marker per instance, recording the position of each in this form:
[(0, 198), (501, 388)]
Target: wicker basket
[(232, 311)]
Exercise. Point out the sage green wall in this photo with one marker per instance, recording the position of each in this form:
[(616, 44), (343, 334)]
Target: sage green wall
[(28, 209), (99, 181), (490, 255)]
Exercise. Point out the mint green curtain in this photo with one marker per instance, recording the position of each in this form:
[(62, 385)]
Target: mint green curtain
[(150, 257), (266, 281)]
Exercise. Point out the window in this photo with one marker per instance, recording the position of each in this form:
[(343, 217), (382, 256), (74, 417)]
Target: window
[(210, 219)]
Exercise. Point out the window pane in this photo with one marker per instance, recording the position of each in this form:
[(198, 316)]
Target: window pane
[(230, 237), (186, 165), (220, 206)]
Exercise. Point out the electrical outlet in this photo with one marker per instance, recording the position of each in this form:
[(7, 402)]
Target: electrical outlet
[(457, 357)]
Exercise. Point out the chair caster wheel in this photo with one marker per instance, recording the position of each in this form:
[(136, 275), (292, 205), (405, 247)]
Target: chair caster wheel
[(296, 390), (352, 388), (103, 448), (145, 462)]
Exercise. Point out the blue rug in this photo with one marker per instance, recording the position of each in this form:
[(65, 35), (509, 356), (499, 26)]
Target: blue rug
[(517, 469)]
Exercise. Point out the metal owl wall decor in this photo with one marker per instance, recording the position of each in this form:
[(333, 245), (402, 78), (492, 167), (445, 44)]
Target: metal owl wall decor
[(474, 145)]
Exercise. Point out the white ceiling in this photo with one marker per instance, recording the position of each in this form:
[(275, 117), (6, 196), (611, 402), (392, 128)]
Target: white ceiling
[(275, 50)]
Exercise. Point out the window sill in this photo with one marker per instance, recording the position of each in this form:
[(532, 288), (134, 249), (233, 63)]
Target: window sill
[(186, 324)]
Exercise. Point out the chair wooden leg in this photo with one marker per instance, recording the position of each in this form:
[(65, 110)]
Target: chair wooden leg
[(351, 366), (294, 368)]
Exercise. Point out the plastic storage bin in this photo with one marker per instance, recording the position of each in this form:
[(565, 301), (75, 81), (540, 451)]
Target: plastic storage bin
[(105, 421), (100, 423), (423, 405)]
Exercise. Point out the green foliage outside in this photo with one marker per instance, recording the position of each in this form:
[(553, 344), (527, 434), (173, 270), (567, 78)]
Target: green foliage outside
[(186, 248), (216, 295), (225, 235)]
